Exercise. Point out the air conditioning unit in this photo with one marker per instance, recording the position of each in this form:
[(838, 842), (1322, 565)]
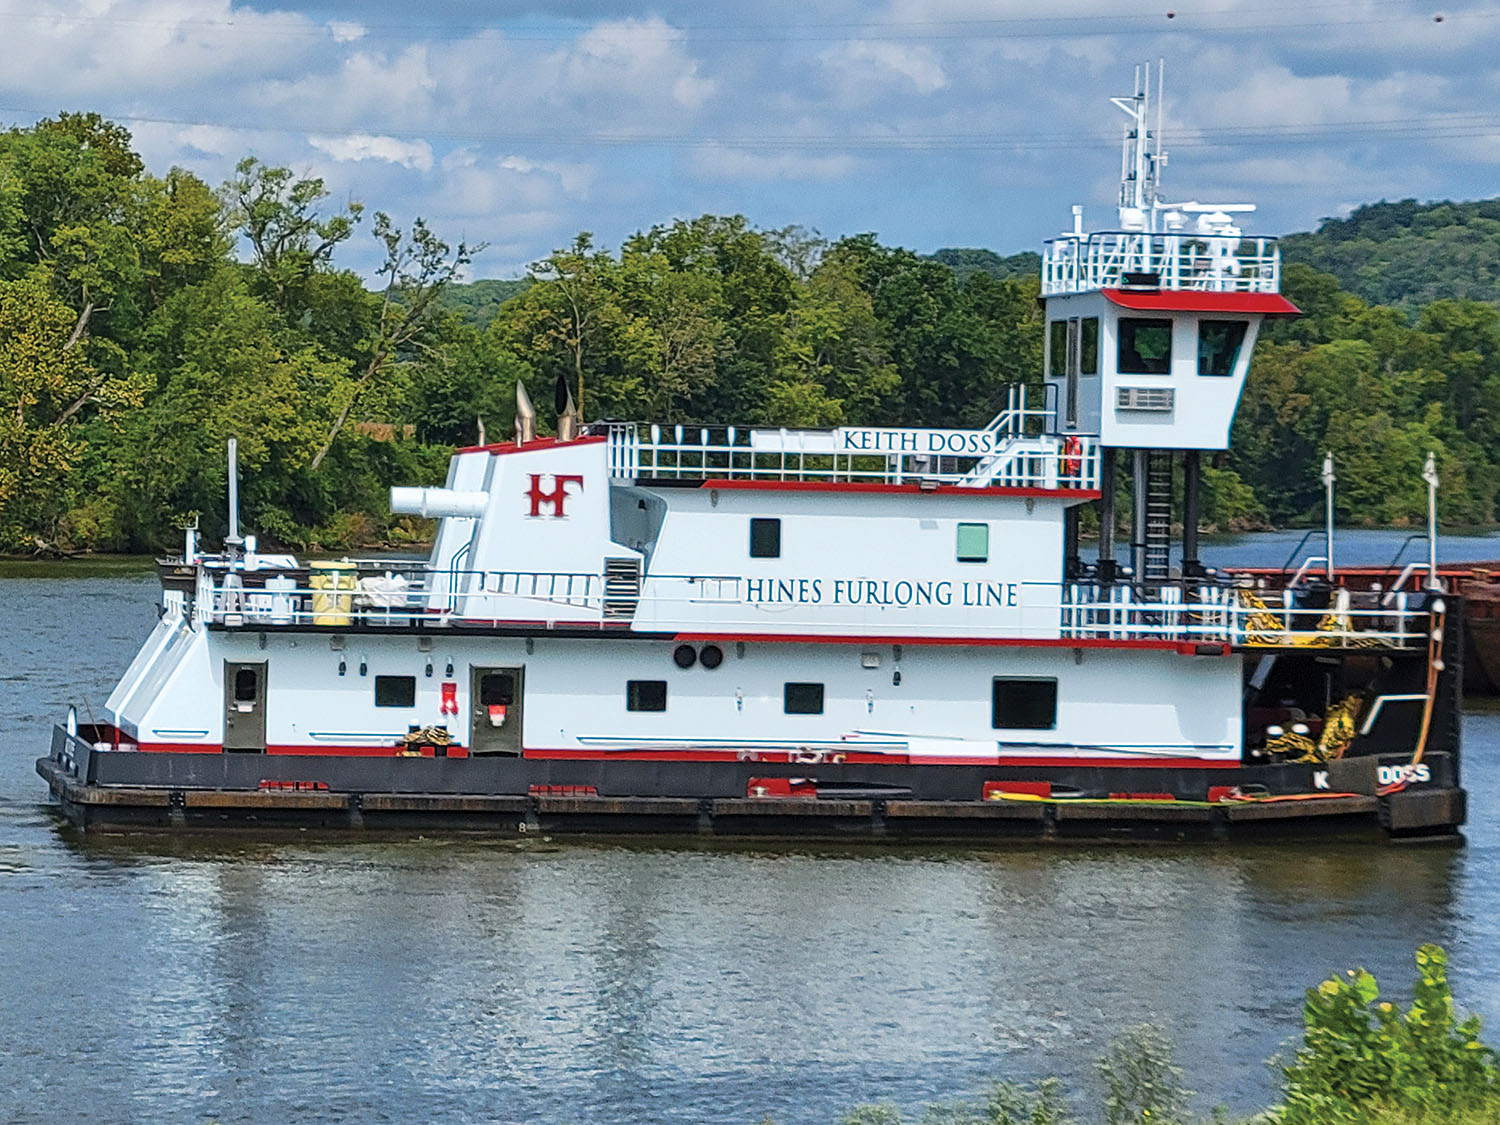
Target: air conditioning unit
[(1157, 400)]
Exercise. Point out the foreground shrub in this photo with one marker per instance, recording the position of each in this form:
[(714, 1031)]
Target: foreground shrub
[(1363, 1059)]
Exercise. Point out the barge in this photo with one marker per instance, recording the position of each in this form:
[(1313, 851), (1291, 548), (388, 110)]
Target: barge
[(886, 632)]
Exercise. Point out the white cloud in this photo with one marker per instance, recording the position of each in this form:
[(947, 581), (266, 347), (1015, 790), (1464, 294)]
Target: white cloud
[(877, 62), (633, 57), (344, 31), (363, 146), (722, 163)]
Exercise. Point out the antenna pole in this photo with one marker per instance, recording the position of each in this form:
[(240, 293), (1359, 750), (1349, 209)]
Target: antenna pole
[(1430, 475), (1328, 479)]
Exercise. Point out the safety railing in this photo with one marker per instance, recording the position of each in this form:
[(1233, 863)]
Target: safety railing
[(1239, 616), (970, 459), (1244, 617), (1110, 259)]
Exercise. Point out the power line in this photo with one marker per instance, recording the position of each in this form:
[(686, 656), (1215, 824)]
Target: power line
[(1441, 127), (1130, 21)]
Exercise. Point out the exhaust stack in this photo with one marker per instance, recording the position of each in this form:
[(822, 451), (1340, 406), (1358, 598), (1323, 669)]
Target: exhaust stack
[(525, 415), (232, 541)]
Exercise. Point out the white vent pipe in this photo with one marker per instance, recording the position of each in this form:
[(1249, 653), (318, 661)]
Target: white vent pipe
[(435, 502)]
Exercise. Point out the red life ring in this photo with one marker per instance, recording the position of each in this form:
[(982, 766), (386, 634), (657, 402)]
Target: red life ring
[(1072, 456)]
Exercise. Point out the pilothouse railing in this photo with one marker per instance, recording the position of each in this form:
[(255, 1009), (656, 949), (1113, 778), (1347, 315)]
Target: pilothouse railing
[(1111, 259)]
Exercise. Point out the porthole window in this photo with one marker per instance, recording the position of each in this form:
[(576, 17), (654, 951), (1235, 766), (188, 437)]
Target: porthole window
[(645, 695), (395, 691), (1027, 703), (765, 539), (803, 699), (973, 542), (684, 656), (711, 656)]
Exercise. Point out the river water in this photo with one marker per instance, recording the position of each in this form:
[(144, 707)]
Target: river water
[(152, 979)]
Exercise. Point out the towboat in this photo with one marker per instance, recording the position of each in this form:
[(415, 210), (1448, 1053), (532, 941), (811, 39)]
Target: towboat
[(856, 632)]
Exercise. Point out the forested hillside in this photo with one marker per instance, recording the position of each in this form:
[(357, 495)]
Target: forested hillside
[(1408, 253), (146, 318)]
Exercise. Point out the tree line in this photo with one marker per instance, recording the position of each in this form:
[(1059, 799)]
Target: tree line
[(145, 319)]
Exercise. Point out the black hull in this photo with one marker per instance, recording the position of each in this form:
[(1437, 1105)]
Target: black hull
[(511, 796)]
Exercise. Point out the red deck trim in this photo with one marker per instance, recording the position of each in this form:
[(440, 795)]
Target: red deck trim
[(500, 448), (723, 485), (763, 757), (1196, 300), (1185, 648), (782, 757)]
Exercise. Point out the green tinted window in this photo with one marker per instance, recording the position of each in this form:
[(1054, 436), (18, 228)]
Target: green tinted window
[(1219, 345), (1145, 346), (974, 542), (1057, 364), (1088, 341)]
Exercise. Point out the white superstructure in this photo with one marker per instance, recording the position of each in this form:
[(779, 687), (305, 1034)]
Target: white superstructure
[(892, 594)]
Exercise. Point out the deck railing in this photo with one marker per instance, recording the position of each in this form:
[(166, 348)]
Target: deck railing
[(1207, 613), (1110, 259), (1021, 449)]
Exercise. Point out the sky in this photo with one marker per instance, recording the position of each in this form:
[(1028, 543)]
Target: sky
[(930, 123)]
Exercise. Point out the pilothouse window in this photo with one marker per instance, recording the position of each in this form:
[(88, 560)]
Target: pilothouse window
[(1088, 346), (1145, 346), (1057, 349), (1219, 345)]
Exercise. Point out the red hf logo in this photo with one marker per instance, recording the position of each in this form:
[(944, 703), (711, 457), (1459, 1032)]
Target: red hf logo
[(554, 497)]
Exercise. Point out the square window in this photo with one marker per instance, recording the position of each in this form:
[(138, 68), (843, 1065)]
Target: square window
[(765, 539), (1024, 704), (1088, 346), (803, 699), (1145, 346), (1219, 345), (645, 695), (497, 689), (974, 542), (395, 691)]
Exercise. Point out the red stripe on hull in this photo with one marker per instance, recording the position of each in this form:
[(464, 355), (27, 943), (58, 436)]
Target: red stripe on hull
[(771, 757), (289, 750)]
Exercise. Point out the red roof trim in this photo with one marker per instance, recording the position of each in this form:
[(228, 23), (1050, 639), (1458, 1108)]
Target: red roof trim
[(502, 447), (1075, 494), (1196, 300)]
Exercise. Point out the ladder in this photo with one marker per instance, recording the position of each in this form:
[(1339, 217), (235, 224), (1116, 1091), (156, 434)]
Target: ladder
[(1158, 560)]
